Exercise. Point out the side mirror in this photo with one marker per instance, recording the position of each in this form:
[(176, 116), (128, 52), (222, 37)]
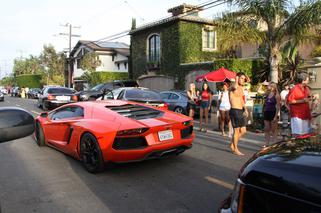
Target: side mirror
[(44, 114), (15, 123)]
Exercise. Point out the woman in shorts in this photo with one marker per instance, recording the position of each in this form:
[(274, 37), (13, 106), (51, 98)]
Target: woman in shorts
[(206, 98), (271, 111), (224, 108), (192, 99)]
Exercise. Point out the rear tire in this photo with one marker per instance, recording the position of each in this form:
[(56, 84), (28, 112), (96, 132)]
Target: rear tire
[(44, 106), (179, 110), (90, 154), (40, 136)]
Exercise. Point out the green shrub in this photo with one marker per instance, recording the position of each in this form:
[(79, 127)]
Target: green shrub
[(29, 80), (95, 78), (316, 51)]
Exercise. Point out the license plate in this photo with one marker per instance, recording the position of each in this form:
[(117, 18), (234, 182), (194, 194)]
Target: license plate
[(165, 135), (63, 98)]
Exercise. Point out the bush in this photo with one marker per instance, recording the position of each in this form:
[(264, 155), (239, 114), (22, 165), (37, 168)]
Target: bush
[(29, 80), (316, 51), (95, 78)]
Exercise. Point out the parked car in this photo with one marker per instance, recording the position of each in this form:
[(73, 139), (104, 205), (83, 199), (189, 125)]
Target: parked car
[(4, 91), (138, 94), (34, 93), (284, 177), (15, 92), (97, 91), (177, 101), (1, 96), (99, 132), (52, 97)]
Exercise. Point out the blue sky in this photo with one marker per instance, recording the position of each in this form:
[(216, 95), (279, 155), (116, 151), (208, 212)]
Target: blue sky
[(27, 25)]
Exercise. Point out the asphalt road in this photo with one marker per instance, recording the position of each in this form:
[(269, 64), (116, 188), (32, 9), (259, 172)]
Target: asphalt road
[(34, 179)]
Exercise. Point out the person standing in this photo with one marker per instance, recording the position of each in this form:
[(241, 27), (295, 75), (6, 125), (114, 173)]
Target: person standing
[(192, 99), (299, 101), (206, 98), (224, 109), (270, 112), (284, 93), (238, 112)]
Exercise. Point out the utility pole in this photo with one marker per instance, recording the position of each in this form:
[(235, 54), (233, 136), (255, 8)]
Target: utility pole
[(69, 59)]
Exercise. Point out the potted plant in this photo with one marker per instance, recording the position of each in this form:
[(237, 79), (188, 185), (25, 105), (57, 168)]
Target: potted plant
[(316, 54)]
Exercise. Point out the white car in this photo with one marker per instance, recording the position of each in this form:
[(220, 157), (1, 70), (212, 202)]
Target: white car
[(4, 91)]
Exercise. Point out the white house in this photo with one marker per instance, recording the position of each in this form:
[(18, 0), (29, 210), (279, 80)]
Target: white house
[(113, 56)]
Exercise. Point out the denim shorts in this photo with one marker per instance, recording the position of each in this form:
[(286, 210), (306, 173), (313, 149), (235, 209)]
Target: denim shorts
[(204, 104)]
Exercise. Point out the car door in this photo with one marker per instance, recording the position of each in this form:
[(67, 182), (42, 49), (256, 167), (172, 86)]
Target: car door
[(59, 129)]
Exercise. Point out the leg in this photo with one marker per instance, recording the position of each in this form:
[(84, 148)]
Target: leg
[(222, 121), (201, 117), (267, 130), (242, 131), (206, 116), (274, 131), (234, 139)]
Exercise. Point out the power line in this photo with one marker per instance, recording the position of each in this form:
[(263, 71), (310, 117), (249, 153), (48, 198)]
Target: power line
[(200, 6)]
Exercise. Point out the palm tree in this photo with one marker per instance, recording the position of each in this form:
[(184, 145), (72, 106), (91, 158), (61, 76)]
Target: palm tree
[(280, 22)]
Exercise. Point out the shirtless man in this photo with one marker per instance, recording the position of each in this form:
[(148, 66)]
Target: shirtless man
[(238, 112)]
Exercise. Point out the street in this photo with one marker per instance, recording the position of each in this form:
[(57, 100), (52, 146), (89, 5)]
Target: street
[(41, 179)]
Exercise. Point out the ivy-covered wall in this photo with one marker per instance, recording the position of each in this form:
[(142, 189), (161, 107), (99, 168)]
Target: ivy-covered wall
[(95, 78), (181, 42)]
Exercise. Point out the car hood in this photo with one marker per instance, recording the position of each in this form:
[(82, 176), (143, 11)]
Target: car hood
[(292, 168)]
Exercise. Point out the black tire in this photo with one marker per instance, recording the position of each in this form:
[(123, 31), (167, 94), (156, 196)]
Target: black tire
[(44, 107), (179, 110), (90, 154), (40, 136)]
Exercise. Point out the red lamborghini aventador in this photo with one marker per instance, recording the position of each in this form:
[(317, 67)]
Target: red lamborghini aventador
[(113, 131)]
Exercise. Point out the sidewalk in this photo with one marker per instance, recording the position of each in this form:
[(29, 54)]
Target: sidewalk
[(213, 128)]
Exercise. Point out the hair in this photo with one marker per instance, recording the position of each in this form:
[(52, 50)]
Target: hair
[(239, 74), (301, 77), (208, 87), (274, 86)]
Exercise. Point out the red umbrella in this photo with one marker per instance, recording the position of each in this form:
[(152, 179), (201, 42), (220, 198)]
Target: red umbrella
[(219, 75)]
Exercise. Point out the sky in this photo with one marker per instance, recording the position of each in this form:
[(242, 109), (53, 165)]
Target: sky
[(28, 25)]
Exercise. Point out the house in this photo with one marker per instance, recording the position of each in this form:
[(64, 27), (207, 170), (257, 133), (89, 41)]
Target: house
[(158, 49), (113, 56)]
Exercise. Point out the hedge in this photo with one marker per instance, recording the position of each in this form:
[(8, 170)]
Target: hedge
[(95, 78), (29, 80)]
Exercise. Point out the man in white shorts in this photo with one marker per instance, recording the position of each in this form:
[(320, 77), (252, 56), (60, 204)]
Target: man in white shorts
[(298, 99)]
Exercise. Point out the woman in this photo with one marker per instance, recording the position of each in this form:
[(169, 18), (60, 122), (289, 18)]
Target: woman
[(192, 98), (271, 111), (224, 108), (206, 98)]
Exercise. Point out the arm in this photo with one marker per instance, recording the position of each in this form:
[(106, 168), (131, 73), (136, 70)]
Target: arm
[(278, 105)]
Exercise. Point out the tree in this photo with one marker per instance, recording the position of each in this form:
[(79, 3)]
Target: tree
[(280, 22), (90, 62)]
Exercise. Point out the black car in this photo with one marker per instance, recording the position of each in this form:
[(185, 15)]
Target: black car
[(34, 93), (1, 96), (138, 94), (52, 97), (15, 92), (285, 177), (97, 91)]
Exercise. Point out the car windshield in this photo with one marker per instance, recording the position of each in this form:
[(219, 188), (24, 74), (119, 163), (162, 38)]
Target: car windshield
[(97, 87), (60, 90), (142, 95)]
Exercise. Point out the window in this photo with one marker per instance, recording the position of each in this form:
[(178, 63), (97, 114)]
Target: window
[(165, 95), (78, 61), (125, 65), (174, 97), (118, 66), (154, 48), (209, 39), (67, 112)]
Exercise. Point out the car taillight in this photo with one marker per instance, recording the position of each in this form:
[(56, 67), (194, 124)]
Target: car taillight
[(51, 97), (74, 98), (163, 105), (129, 132)]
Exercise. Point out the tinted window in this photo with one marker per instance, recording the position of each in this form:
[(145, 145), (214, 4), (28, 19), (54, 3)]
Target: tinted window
[(165, 95), (60, 90), (142, 95), (67, 112), (97, 87), (174, 96)]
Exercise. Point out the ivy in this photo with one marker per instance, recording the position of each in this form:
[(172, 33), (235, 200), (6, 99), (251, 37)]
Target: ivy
[(95, 78), (29, 80)]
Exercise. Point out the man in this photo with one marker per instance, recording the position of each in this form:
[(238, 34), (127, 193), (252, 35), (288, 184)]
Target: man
[(238, 112), (284, 94), (299, 101)]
